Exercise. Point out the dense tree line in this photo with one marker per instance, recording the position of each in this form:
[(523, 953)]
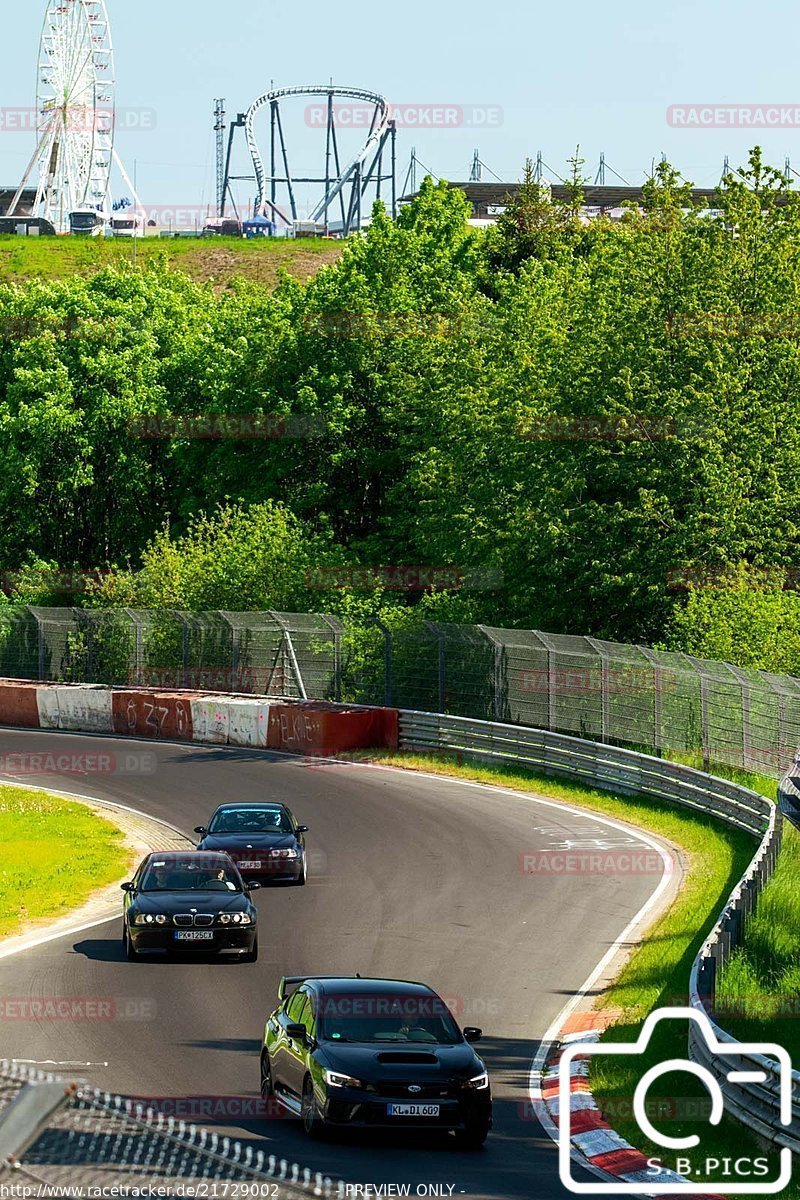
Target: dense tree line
[(598, 419)]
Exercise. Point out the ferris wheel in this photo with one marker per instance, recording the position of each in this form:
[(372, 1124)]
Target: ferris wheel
[(75, 115)]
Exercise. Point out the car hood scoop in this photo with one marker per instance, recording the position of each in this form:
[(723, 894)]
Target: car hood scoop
[(401, 1056)]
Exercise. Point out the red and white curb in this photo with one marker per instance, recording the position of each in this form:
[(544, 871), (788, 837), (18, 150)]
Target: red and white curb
[(594, 1145)]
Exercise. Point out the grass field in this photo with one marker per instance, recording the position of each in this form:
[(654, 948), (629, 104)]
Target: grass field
[(55, 853), (657, 973), (758, 995), (216, 260)]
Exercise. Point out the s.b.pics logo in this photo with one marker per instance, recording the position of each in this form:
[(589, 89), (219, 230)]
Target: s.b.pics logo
[(690, 1164)]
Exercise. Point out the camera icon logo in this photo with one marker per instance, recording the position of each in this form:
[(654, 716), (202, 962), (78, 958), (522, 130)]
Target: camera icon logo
[(736, 1065)]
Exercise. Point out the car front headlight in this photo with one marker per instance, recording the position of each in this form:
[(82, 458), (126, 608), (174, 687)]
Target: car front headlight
[(478, 1083), (150, 919), (283, 853), (334, 1079), (235, 919)]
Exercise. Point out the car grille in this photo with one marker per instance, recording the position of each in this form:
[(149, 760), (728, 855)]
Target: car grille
[(187, 919), (439, 1090)]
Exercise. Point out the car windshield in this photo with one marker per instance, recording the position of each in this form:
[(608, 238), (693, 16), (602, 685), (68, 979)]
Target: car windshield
[(251, 820), (387, 1019), (190, 875)]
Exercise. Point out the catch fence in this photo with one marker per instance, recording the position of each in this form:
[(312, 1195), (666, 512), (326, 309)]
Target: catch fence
[(664, 702)]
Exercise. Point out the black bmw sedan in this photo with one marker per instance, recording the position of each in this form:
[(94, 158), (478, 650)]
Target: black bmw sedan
[(264, 840), (374, 1053), (183, 902)]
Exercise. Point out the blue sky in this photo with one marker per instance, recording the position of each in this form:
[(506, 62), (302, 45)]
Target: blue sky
[(599, 74)]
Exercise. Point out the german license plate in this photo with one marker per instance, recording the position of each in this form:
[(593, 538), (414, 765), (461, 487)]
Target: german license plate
[(195, 935), (255, 865), (414, 1110)]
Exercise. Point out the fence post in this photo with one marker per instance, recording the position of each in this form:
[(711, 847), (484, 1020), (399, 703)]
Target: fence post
[(605, 722), (497, 645), (337, 656), (40, 635), (442, 665), (706, 733)]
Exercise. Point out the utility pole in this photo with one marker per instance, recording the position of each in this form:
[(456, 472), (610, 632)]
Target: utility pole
[(219, 129)]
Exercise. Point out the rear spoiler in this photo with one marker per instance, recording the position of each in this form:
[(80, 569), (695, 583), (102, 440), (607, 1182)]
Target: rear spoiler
[(287, 982)]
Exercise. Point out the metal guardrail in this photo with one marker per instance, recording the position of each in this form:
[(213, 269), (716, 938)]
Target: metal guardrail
[(615, 769), (89, 1138), (612, 768), (757, 1105)]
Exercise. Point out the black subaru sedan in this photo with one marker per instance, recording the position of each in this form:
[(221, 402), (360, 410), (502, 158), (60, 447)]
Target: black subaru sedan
[(264, 840), (184, 902), (374, 1053)]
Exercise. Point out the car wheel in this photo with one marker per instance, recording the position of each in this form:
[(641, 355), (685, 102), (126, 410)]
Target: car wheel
[(266, 1077), (473, 1136), (251, 956), (303, 876), (312, 1121), (127, 941)]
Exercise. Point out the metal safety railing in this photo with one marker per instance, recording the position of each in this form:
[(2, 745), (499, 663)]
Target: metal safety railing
[(630, 773), (55, 1134)]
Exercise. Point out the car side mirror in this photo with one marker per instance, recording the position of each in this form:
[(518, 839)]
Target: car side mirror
[(126, 887), (472, 1035), (254, 886), (201, 829), (302, 829), (296, 1032)]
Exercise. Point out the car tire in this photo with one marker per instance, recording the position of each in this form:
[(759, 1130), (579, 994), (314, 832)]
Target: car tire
[(313, 1123), (473, 1136), (267, 1089), (127, 942), (301, 879), (251, 956)]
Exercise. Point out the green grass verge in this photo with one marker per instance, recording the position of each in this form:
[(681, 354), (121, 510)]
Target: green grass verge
[(217, 260), (657, 973), (758, 994), (55, 853)]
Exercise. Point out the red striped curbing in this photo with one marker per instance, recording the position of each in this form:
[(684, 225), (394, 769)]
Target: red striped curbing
[(593, 1142)]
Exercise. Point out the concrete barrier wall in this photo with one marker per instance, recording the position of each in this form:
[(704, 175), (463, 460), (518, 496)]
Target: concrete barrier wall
[(317, 729)]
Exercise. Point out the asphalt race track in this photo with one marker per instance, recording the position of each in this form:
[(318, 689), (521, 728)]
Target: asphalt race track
[(409, 877)]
